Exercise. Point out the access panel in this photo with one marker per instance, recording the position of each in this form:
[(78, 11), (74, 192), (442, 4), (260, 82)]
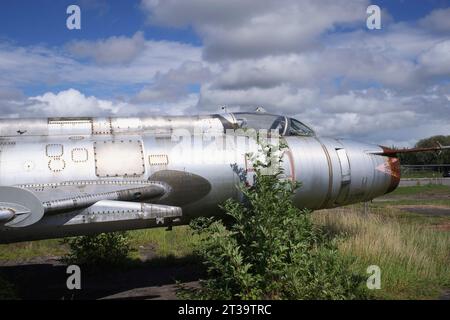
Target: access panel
[(117, 158)]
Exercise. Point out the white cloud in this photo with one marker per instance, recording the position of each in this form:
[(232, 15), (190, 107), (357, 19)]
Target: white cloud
[(436, 60), (111, 50), (395, 59), (38, 64), (174, 84), (29, 64), (71, 102), (437, 20), (254, 28), (183, 105)]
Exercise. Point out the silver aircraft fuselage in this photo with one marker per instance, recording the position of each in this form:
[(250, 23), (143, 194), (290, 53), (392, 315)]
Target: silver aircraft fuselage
[(73, 176)]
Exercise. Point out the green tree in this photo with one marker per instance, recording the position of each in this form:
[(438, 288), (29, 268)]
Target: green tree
[(270, 249), (428, 157)]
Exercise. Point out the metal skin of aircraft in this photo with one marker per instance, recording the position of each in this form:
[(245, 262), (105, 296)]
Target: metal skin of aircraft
[(64, 177)]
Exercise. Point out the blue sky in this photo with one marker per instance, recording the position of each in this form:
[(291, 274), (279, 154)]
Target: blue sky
[(311, 59), (406, 10), (44, 21)]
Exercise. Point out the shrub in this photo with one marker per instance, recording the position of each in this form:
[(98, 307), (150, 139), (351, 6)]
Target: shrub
[(7, 290), (98, 250), (270, 249)]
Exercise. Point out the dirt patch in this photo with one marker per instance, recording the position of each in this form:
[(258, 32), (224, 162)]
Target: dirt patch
[(429, 210), (418, 196), (165, 292), (442, 227), (53, 260), (147, 252), (445, 295), (45, 278)]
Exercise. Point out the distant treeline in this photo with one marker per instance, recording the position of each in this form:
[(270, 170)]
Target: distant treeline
[(428, 157)]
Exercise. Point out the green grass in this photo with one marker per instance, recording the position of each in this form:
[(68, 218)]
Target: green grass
[(430, 194), (31, 249), (413, 254), (390, 210), (414, 259), (179, 242)]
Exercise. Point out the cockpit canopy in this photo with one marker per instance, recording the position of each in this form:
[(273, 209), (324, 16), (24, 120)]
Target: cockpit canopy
[(285, 126)]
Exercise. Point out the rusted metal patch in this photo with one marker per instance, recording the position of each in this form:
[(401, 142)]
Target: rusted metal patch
[(394, 165)]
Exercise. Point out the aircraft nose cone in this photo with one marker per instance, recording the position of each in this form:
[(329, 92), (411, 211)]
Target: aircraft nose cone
[(393, 165)]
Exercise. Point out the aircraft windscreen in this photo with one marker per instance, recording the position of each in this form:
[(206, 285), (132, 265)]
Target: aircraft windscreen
[(285, 126), (261, 121), (296, 128)]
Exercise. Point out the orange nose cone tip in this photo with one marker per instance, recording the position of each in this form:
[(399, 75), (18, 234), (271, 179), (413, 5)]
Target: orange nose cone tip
[(394, 168)]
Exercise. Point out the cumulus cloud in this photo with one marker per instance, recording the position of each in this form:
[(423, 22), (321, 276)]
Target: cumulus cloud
[(182, 105), (400, 59), (39, 64), (173, 85), (436, 60), (237, 29), (19, 65), (12, 101), (69, 103), (437, 20), (111, 50), (72, 103)]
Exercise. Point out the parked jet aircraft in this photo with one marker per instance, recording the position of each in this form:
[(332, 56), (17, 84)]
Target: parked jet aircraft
[(74, 176)]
